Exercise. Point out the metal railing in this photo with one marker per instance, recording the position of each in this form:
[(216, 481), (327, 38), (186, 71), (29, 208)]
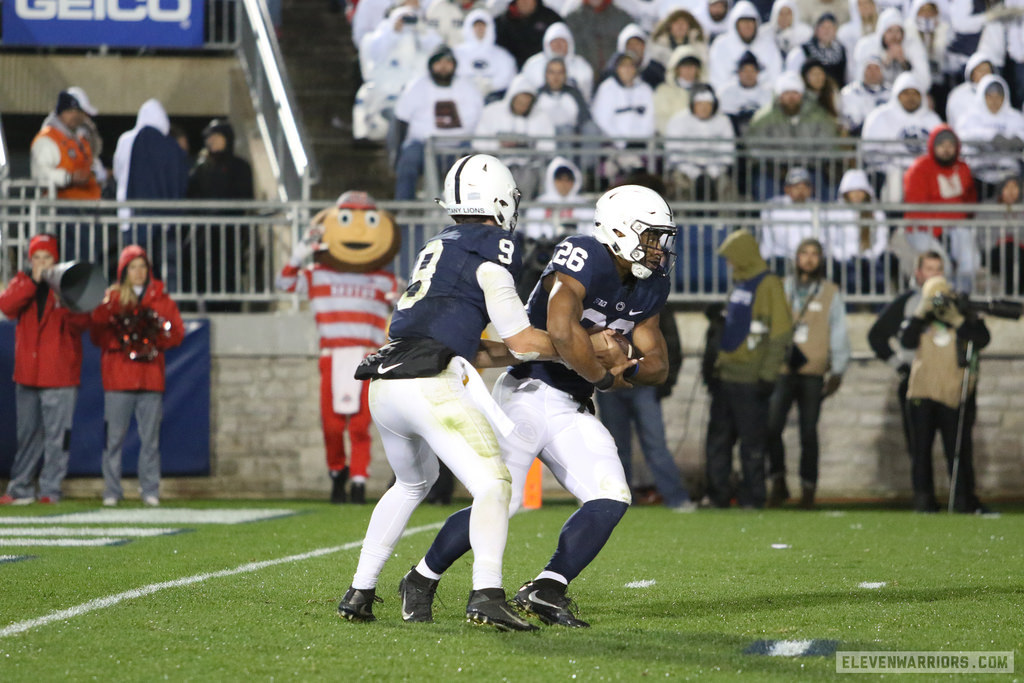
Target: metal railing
[(754, 168), (231, 252), (276, 111)]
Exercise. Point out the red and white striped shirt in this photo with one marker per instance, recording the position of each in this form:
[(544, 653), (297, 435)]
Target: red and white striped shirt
[(351, 309)]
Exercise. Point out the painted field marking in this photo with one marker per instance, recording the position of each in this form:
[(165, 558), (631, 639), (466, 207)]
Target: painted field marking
[(646, 583), (111, 600), (60, 542), (87, 531), (871, 584), (14, 558), (154, 516), (815, 647)]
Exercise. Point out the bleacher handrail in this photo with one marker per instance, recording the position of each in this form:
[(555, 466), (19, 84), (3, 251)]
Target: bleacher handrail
[(274, 101)]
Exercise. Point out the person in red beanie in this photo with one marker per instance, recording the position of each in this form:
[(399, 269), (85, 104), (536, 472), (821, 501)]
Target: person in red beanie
[(134, 325), (47, 368)]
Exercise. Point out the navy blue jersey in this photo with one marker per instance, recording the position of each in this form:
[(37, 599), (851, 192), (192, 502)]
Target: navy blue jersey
[(607, 304), (444, 301)]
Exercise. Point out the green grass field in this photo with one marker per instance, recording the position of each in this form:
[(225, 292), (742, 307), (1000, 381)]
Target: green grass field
[(713, 586)]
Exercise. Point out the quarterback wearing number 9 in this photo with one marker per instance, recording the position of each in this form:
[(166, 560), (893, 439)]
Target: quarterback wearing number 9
[(614, 280), (426, 398)]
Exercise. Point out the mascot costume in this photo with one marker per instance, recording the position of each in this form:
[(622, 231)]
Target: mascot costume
[(351, 298)]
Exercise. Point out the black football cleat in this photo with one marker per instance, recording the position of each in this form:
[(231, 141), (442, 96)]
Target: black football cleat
[(488, 607), (357, 605), (546, 599), (417, 593)]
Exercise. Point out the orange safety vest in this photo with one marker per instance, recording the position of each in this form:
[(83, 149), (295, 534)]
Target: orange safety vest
[(75, 155)]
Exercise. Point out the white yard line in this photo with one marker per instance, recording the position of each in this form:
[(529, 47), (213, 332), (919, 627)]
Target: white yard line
[(19, 542), (111, 600), (87, 531), (161, 515)]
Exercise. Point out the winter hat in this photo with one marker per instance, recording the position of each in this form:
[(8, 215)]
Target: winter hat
[(789, 81), (855, 179), (129, 254), (442, 52), (44, 242)]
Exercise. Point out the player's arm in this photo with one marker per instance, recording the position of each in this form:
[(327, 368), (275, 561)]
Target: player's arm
[(507, 313), (565, 308), (650, 344)]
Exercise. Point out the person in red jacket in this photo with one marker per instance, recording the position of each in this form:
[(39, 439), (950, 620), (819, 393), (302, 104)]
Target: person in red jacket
[(134, 325), (47, 368), (939, 176)]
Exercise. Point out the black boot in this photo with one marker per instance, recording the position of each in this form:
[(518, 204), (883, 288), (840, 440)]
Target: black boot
[(338, 480), (357, 492)]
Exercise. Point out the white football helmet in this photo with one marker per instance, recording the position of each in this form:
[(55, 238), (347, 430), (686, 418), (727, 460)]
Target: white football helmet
[(480, 185), (637, 225)]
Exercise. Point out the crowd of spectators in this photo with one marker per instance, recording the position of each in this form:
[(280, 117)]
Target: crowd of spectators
[(719, 86)]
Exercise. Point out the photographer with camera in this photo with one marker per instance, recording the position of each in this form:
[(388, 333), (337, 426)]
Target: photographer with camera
[(887, 328), (946, 336)]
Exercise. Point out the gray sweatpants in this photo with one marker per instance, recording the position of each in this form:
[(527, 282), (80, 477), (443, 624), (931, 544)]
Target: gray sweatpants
[(44, 432), (118, 407)]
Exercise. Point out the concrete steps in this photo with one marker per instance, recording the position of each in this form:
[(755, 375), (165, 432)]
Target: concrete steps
[(322, 65)]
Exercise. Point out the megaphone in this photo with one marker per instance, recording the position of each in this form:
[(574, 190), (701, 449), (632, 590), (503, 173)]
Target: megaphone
[(80, 285)]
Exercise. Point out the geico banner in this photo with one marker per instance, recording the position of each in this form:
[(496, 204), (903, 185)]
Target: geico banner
[(115, 23)]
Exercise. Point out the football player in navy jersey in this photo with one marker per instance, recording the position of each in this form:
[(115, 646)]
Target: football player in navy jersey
[(613, 281), (426, 398)]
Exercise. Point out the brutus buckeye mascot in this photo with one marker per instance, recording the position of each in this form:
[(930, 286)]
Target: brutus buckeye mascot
[(351, 299)]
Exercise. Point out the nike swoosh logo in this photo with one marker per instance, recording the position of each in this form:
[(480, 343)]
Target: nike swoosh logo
[(406, 615), (632, 312), (381, 369), (533, 598)]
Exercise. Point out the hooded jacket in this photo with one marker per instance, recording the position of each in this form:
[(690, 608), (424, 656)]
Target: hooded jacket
[(798, 32), (758, 357), (670, 97), (847, 236), (962, 96), (1004, 38), (503, 130), (913, 49), (1004, 127), (567, 109), (650, 71), (578, 71), (934, 43), (148, 163), (624, 112), (47, 345), (715, 151), (728, 48), (891, 122), (859, 99), (549, 223), (119, 372), (489, 66), (661, 44), (929, 182)]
